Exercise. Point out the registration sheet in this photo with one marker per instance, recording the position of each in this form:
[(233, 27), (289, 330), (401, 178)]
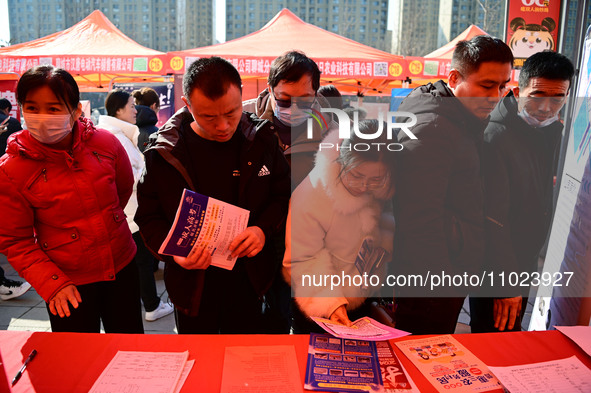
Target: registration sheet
[(261, 369), (146, 372), (557, 376), (581, 335)]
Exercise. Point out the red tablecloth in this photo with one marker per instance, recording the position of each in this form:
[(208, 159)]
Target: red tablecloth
[(71, 362)]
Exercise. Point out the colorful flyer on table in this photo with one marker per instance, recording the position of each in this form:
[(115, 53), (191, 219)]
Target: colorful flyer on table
[(365, 328), (342, 365), (448, 365), (204, 221), (394, 376)]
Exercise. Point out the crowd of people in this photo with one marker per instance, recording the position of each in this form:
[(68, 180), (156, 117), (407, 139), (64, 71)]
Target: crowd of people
[(86, 208)]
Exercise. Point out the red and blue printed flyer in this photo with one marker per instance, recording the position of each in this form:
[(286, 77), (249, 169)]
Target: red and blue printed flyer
[(207, 222), (342, 365)]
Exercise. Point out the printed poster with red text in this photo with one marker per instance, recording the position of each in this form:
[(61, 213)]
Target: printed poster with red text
[(532, 26), (449, 366)]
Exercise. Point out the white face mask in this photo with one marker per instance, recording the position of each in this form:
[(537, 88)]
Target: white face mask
[(48, 129), (532, 121), (291, 116)]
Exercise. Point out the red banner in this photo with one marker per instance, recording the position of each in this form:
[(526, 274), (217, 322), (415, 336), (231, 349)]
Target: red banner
[(259, 66), (78, 64), (532, 26)]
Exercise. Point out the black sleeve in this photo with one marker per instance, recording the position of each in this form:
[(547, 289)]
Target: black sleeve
[(500, 255), (158, 192), (272, 218), (425, 166)]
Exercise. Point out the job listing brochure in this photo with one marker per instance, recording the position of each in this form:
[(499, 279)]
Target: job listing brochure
[(204, 221), (448, 365), (342, 365)]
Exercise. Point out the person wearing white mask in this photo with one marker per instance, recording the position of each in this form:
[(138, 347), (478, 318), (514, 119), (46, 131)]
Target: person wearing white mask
[(64, 186), (290, 99), (520, 158), (120, 120)]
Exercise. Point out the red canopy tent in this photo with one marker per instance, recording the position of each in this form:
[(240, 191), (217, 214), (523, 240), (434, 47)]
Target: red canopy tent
[(437, 64), (351, 66), (93, 50), (447, 50)]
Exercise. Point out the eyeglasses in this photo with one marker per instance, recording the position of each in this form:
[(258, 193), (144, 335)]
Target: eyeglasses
[(354, 181), (301, 102)]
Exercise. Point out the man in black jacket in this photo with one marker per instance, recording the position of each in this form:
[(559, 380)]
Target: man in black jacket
[(522, 142), (212, 147), (440, 198)]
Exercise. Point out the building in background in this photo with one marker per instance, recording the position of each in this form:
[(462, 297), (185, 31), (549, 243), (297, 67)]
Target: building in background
[(364, 21), (578, 12), (164, 25), (421, 26)]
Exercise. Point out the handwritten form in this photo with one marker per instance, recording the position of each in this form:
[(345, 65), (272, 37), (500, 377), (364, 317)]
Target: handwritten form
[(581, 335), (557, 376), (264, 369), (142, 372)]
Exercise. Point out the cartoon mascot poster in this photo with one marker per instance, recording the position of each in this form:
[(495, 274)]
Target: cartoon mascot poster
[(532, 27)]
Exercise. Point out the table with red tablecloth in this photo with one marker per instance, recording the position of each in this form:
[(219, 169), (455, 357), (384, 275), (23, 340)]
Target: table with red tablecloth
[(71, 362)]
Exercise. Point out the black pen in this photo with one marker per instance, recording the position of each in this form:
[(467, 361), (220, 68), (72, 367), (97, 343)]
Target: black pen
[(22, 370)]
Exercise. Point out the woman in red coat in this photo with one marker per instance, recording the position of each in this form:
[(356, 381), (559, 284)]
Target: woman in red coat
[(64, 186)]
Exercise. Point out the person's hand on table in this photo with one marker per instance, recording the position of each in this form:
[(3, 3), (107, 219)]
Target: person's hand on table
[(249, 243), (506, 312), (198, 258), (59, 303), (340, 316)]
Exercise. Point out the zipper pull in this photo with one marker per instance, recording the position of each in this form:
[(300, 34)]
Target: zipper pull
[(97, 156), (44, 172)]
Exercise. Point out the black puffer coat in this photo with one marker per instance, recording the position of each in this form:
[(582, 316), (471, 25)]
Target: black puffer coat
[(440, 196)]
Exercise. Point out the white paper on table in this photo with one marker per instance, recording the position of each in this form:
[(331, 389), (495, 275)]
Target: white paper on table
[(186, 370), (556, 376), (581, 335), (261, 369), (145, 372), (364, 328)]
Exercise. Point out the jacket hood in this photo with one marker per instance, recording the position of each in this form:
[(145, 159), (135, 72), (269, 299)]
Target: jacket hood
[(22, 143), (117, 126), (264, 109), (145, 116)]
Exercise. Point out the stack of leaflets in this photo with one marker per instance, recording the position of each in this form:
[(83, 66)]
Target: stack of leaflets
[(342, 365)]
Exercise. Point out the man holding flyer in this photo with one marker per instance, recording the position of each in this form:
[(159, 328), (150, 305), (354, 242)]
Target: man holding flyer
[(213, 148)]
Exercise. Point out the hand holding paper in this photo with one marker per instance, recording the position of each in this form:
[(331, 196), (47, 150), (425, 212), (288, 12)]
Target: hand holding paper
[(340, 316), (198, 258), (248, 243)]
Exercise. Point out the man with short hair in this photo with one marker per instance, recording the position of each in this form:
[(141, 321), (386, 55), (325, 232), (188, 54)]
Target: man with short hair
[(8, 124), (214, 148), (522, 143), (440, 198), (290, 96)]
